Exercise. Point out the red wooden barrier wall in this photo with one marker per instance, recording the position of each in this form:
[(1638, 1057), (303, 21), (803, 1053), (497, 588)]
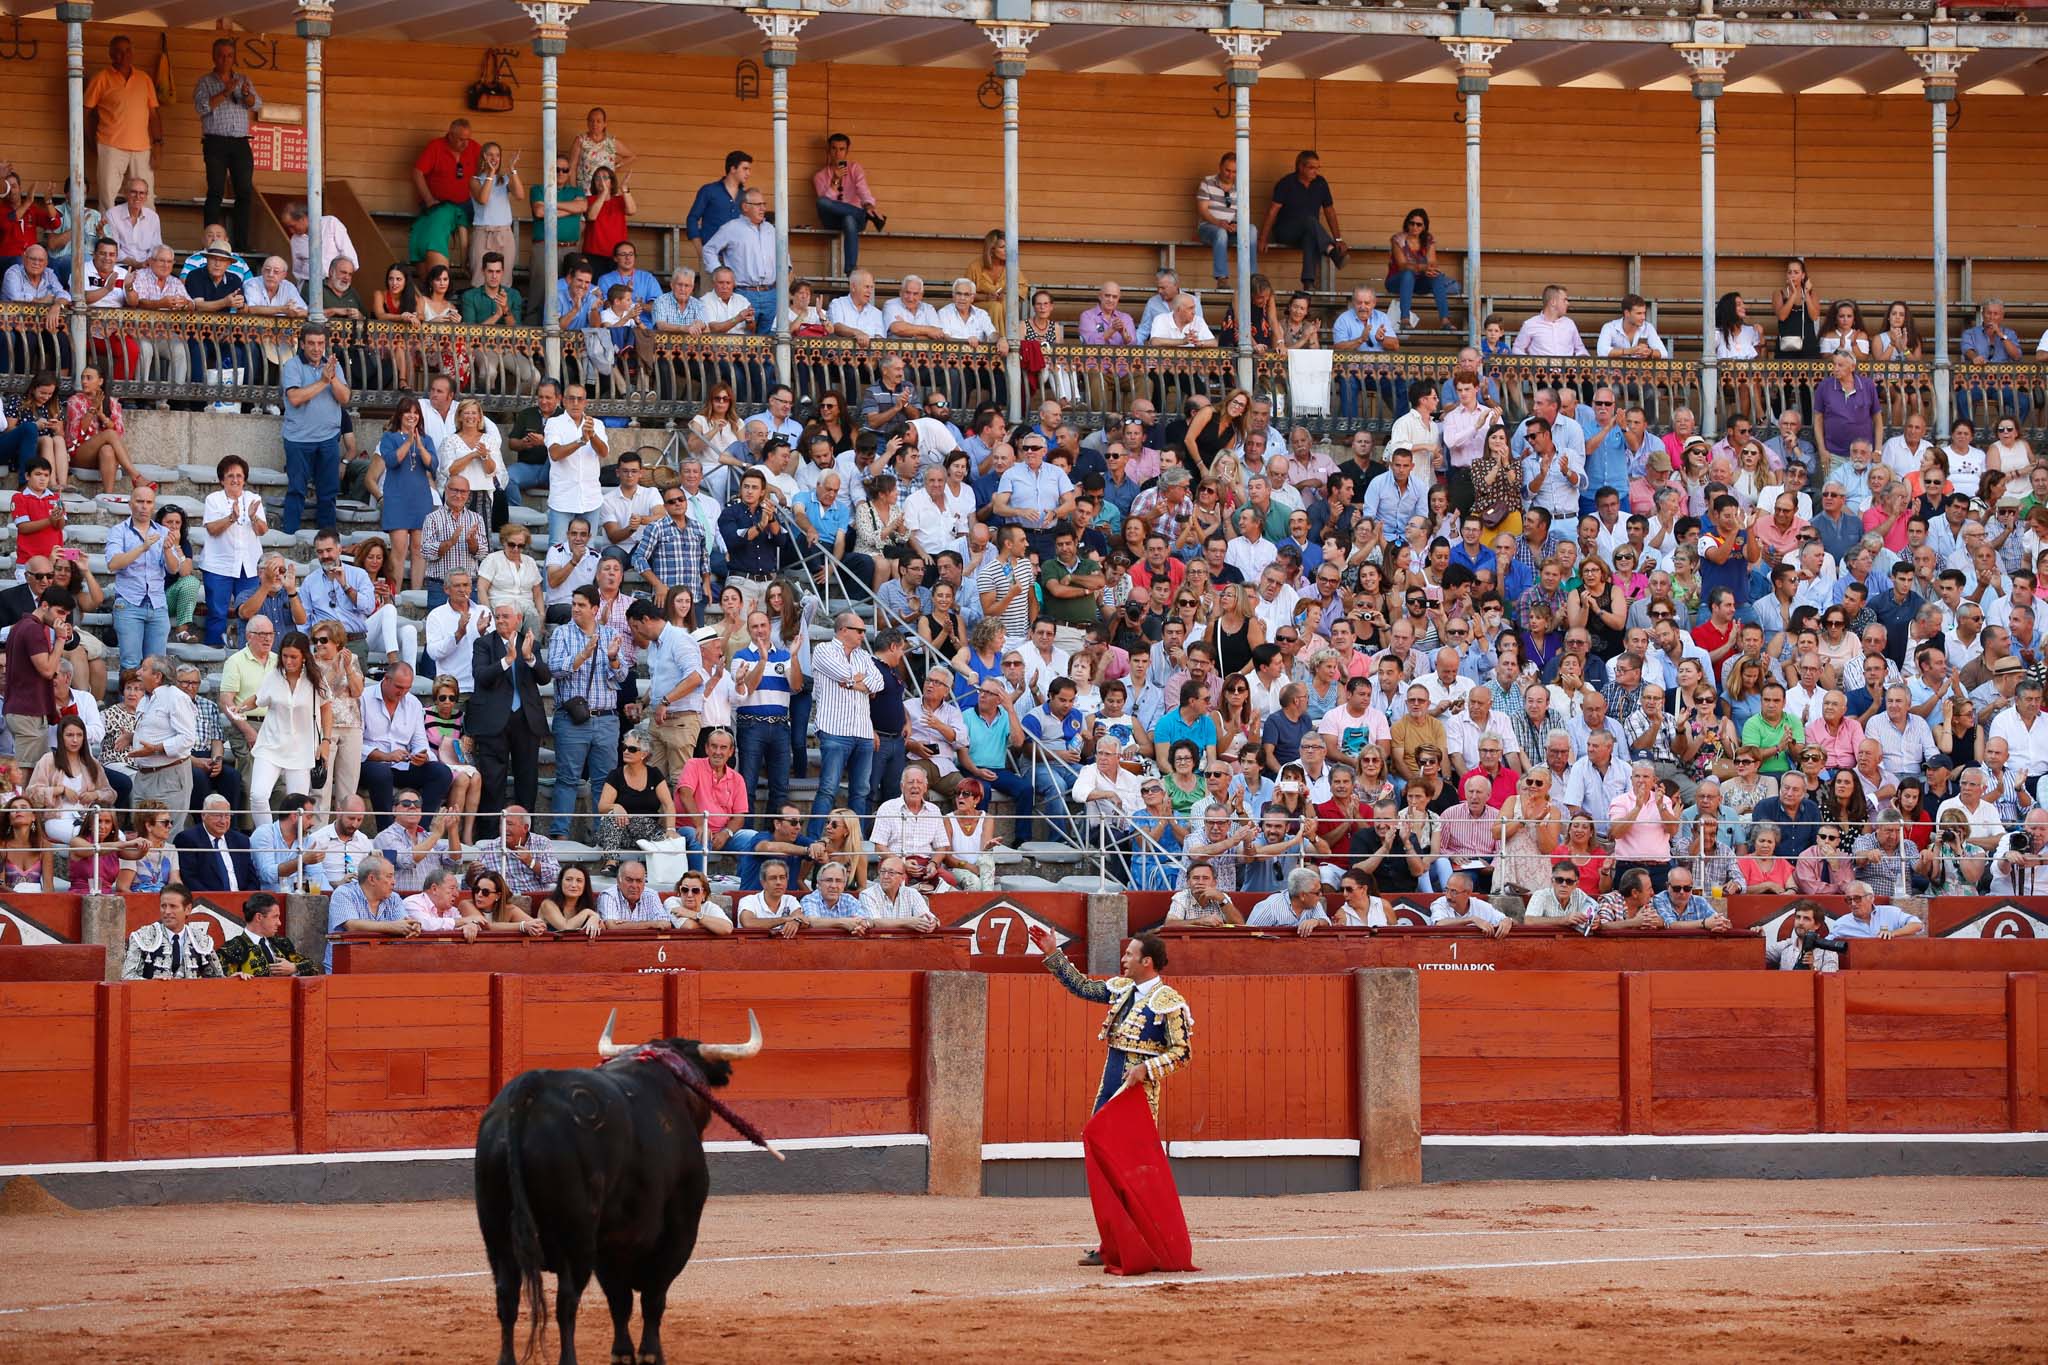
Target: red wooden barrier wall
[(145, 1070), (1273, 1058), (171, 1069)]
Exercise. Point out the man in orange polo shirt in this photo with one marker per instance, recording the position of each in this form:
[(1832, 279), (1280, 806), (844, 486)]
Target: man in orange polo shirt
[(122, 117)]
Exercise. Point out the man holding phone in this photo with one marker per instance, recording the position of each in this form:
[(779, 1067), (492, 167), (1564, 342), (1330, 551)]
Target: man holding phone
[(845, 203)]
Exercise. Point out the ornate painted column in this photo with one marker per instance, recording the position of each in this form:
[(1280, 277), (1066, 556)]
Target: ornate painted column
[(1473, 48), (1241, 49), (1012, 39), (550, 40), (316, 21), (1940, 62), (780, 28), (1708, 57)]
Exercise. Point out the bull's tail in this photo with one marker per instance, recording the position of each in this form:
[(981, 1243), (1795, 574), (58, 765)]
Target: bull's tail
[(526, 1247)]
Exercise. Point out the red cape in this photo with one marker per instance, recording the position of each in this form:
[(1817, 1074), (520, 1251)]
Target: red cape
[(1130, 1185)]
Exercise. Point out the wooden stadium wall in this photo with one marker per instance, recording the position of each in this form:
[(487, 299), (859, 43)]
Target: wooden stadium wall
[(145, 1070), (1822, 175)]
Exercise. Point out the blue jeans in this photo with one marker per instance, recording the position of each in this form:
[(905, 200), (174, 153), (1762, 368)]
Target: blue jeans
[(847, 220), (584, 753), (18, 447), (1018, 790), (800, 732), (763, 301), (526, 477), (316, 465), (222, 592), (841, 758), (1219, 240), (558, 525), (1441, 287), (1351, 392), (437, 593), (142, 631), (888, 780), (737, 843), (1050, 783), (764, 749)]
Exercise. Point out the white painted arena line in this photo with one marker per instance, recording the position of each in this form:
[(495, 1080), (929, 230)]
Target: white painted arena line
[(1397, 1234)]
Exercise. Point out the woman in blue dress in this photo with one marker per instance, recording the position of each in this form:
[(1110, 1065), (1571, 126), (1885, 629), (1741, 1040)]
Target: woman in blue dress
[(157, 868), (406, 488), (1160, 834)]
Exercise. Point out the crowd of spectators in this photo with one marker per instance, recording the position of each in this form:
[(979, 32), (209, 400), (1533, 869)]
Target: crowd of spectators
[(1568, 669)]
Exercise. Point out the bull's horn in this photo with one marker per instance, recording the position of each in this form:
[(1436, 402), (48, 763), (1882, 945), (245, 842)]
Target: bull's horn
[(608, 1049), (732, 1052)]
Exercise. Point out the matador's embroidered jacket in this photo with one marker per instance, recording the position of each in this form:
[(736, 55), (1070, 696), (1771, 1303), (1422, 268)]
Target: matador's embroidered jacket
[(245, 955), (1148, 1026)]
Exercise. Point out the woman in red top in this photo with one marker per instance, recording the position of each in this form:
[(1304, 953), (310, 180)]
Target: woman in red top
[(611, 206), (94, 432)]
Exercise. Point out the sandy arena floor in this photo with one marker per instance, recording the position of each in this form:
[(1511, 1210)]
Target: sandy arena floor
[(1936, 1270)]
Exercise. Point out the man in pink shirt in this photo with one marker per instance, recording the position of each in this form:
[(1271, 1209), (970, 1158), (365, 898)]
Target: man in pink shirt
[(1551, 332), (844, 200), (714, 793), (1106, 324), (1641, 822), (434, 905)]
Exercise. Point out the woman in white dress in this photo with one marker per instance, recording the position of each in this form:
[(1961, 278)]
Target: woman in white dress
[(510, 577), (473, 451), (294, 727)]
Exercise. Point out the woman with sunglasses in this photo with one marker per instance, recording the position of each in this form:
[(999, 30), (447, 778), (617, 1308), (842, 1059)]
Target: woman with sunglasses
[(1238, 723), (1531, 827), (1705, 738), (444, 733), (636, 802), (970, 835), (157, 868), (570, 907), (1160, 832), (841, 843), (1741, 793), (692, 907), (340, 678), (26, 860), (489, 897)]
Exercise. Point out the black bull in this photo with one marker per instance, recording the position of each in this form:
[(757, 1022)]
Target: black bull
[(600, 1171)]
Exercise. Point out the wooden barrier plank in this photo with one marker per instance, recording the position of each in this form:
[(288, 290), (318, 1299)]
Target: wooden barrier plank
[(1830, 1052), (1637, 1060), (1946, 1114), (1451, 1081), (110, 1070), (1547, 1033), (508, 1029), (1755, 1114), (1566, 1118), (1793, 1054), (1971, 1082), (309, 1059), (1678, 991), (2023, 1055), (1521, 991), (1741, 1023)]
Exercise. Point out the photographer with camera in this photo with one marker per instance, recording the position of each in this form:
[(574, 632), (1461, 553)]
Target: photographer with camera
[(1806, 946), (2019, 867)]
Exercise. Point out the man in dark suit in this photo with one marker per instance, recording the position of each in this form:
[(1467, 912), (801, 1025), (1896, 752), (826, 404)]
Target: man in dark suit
[(505, 721), (214, 857)]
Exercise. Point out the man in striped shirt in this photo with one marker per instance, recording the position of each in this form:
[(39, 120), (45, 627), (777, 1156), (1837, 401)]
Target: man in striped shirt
[(845, 676), (585, 658), (764, 678)]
